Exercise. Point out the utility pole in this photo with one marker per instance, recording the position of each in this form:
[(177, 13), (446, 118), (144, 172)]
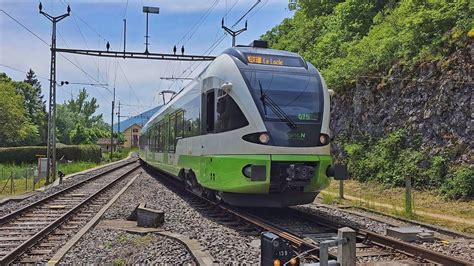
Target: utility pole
[(112, 128), (118, 117), (124, 35), (233, 33), (148, 10), (51, 150)]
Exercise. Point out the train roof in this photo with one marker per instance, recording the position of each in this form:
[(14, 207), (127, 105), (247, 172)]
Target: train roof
[(239, 52), (259, 50)]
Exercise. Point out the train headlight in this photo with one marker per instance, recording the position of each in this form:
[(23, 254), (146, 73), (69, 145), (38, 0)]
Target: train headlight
[(255, 172), (323, 139), (276, 262), (264, 138), (293, 261), (247, 171)]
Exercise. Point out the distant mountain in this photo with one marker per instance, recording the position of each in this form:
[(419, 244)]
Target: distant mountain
[(140, 119)]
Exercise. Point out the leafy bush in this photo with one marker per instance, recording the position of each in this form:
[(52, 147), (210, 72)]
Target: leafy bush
[(391, 159), (28, 154), (459, 183)]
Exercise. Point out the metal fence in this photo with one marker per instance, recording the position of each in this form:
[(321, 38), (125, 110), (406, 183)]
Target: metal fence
[(18, 180)]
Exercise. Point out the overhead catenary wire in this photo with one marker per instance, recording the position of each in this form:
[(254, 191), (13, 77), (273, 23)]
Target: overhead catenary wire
[(25, 27), (217, 42), (22, 71), (47, 44), (96, 62)]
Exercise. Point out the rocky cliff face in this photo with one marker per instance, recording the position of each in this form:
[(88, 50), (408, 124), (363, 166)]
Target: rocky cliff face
[(433, 101)]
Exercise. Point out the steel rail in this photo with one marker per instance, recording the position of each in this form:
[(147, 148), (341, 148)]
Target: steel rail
[(388, 242), (379, 240), (12, 255), (412, 250), (295, 240), (13, 214)]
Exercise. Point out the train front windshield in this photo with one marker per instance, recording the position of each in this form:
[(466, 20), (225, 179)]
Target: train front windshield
[(298, 96)]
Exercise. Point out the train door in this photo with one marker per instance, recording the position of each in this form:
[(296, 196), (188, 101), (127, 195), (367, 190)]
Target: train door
[(209, 142)]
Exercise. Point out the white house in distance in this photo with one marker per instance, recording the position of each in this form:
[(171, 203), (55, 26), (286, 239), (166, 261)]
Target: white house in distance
[(131, 127), (132, 136)]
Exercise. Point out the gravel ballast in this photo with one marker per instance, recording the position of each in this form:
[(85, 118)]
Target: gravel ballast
[(104, 246), (223, 243), (460, 247)]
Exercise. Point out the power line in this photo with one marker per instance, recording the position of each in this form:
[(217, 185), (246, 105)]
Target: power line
[(96, 62), (42, 40), (219, 41), (26, 28), (85, 22), (129, 85), (22, 71)]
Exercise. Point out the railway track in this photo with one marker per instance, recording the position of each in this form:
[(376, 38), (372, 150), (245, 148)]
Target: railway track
[(305, 230), (34, 232)]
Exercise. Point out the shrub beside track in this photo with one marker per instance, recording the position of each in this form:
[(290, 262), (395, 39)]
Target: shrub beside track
[(28, 154)]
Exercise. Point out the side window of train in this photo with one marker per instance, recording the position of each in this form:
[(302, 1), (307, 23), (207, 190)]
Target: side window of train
[(163, 136), (179, 125), (229, 115), (160, 137), (172, 133), (155, 138)]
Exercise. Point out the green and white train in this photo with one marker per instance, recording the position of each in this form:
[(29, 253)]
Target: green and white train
[(252, 130)]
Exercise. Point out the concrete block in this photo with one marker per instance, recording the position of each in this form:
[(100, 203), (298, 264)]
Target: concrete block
[(426, 236), (346, 253), (408, 234), (147, 217), (133, 215)]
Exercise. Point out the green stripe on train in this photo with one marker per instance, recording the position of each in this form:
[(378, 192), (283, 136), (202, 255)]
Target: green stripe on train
[(224, 172)]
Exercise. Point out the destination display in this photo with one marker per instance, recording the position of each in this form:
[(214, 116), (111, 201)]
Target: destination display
[(273, 60)]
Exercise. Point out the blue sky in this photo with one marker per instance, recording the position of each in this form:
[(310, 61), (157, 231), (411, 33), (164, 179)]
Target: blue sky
[(137, 82)]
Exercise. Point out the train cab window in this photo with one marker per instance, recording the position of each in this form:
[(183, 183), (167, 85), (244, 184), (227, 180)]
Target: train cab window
[(172, 133), (210, 107), (229, 115)]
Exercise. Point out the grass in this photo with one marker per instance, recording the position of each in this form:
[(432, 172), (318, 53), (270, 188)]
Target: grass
[(20, 171), (22, 184), (372, 194), (117, 155)]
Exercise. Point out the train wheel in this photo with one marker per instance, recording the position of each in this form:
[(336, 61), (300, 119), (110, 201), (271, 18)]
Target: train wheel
[(192, 184)]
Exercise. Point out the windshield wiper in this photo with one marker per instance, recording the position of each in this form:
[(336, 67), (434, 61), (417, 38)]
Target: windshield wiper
[(262, 99), (275, 108)]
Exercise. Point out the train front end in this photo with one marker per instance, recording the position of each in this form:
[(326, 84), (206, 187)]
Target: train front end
[(278, 151)]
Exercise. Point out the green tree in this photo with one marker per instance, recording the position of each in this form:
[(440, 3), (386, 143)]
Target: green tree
[(34, 103), (15, 126), (76, 122)]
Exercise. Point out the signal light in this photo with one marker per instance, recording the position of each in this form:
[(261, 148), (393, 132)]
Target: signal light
[(293, 261)]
